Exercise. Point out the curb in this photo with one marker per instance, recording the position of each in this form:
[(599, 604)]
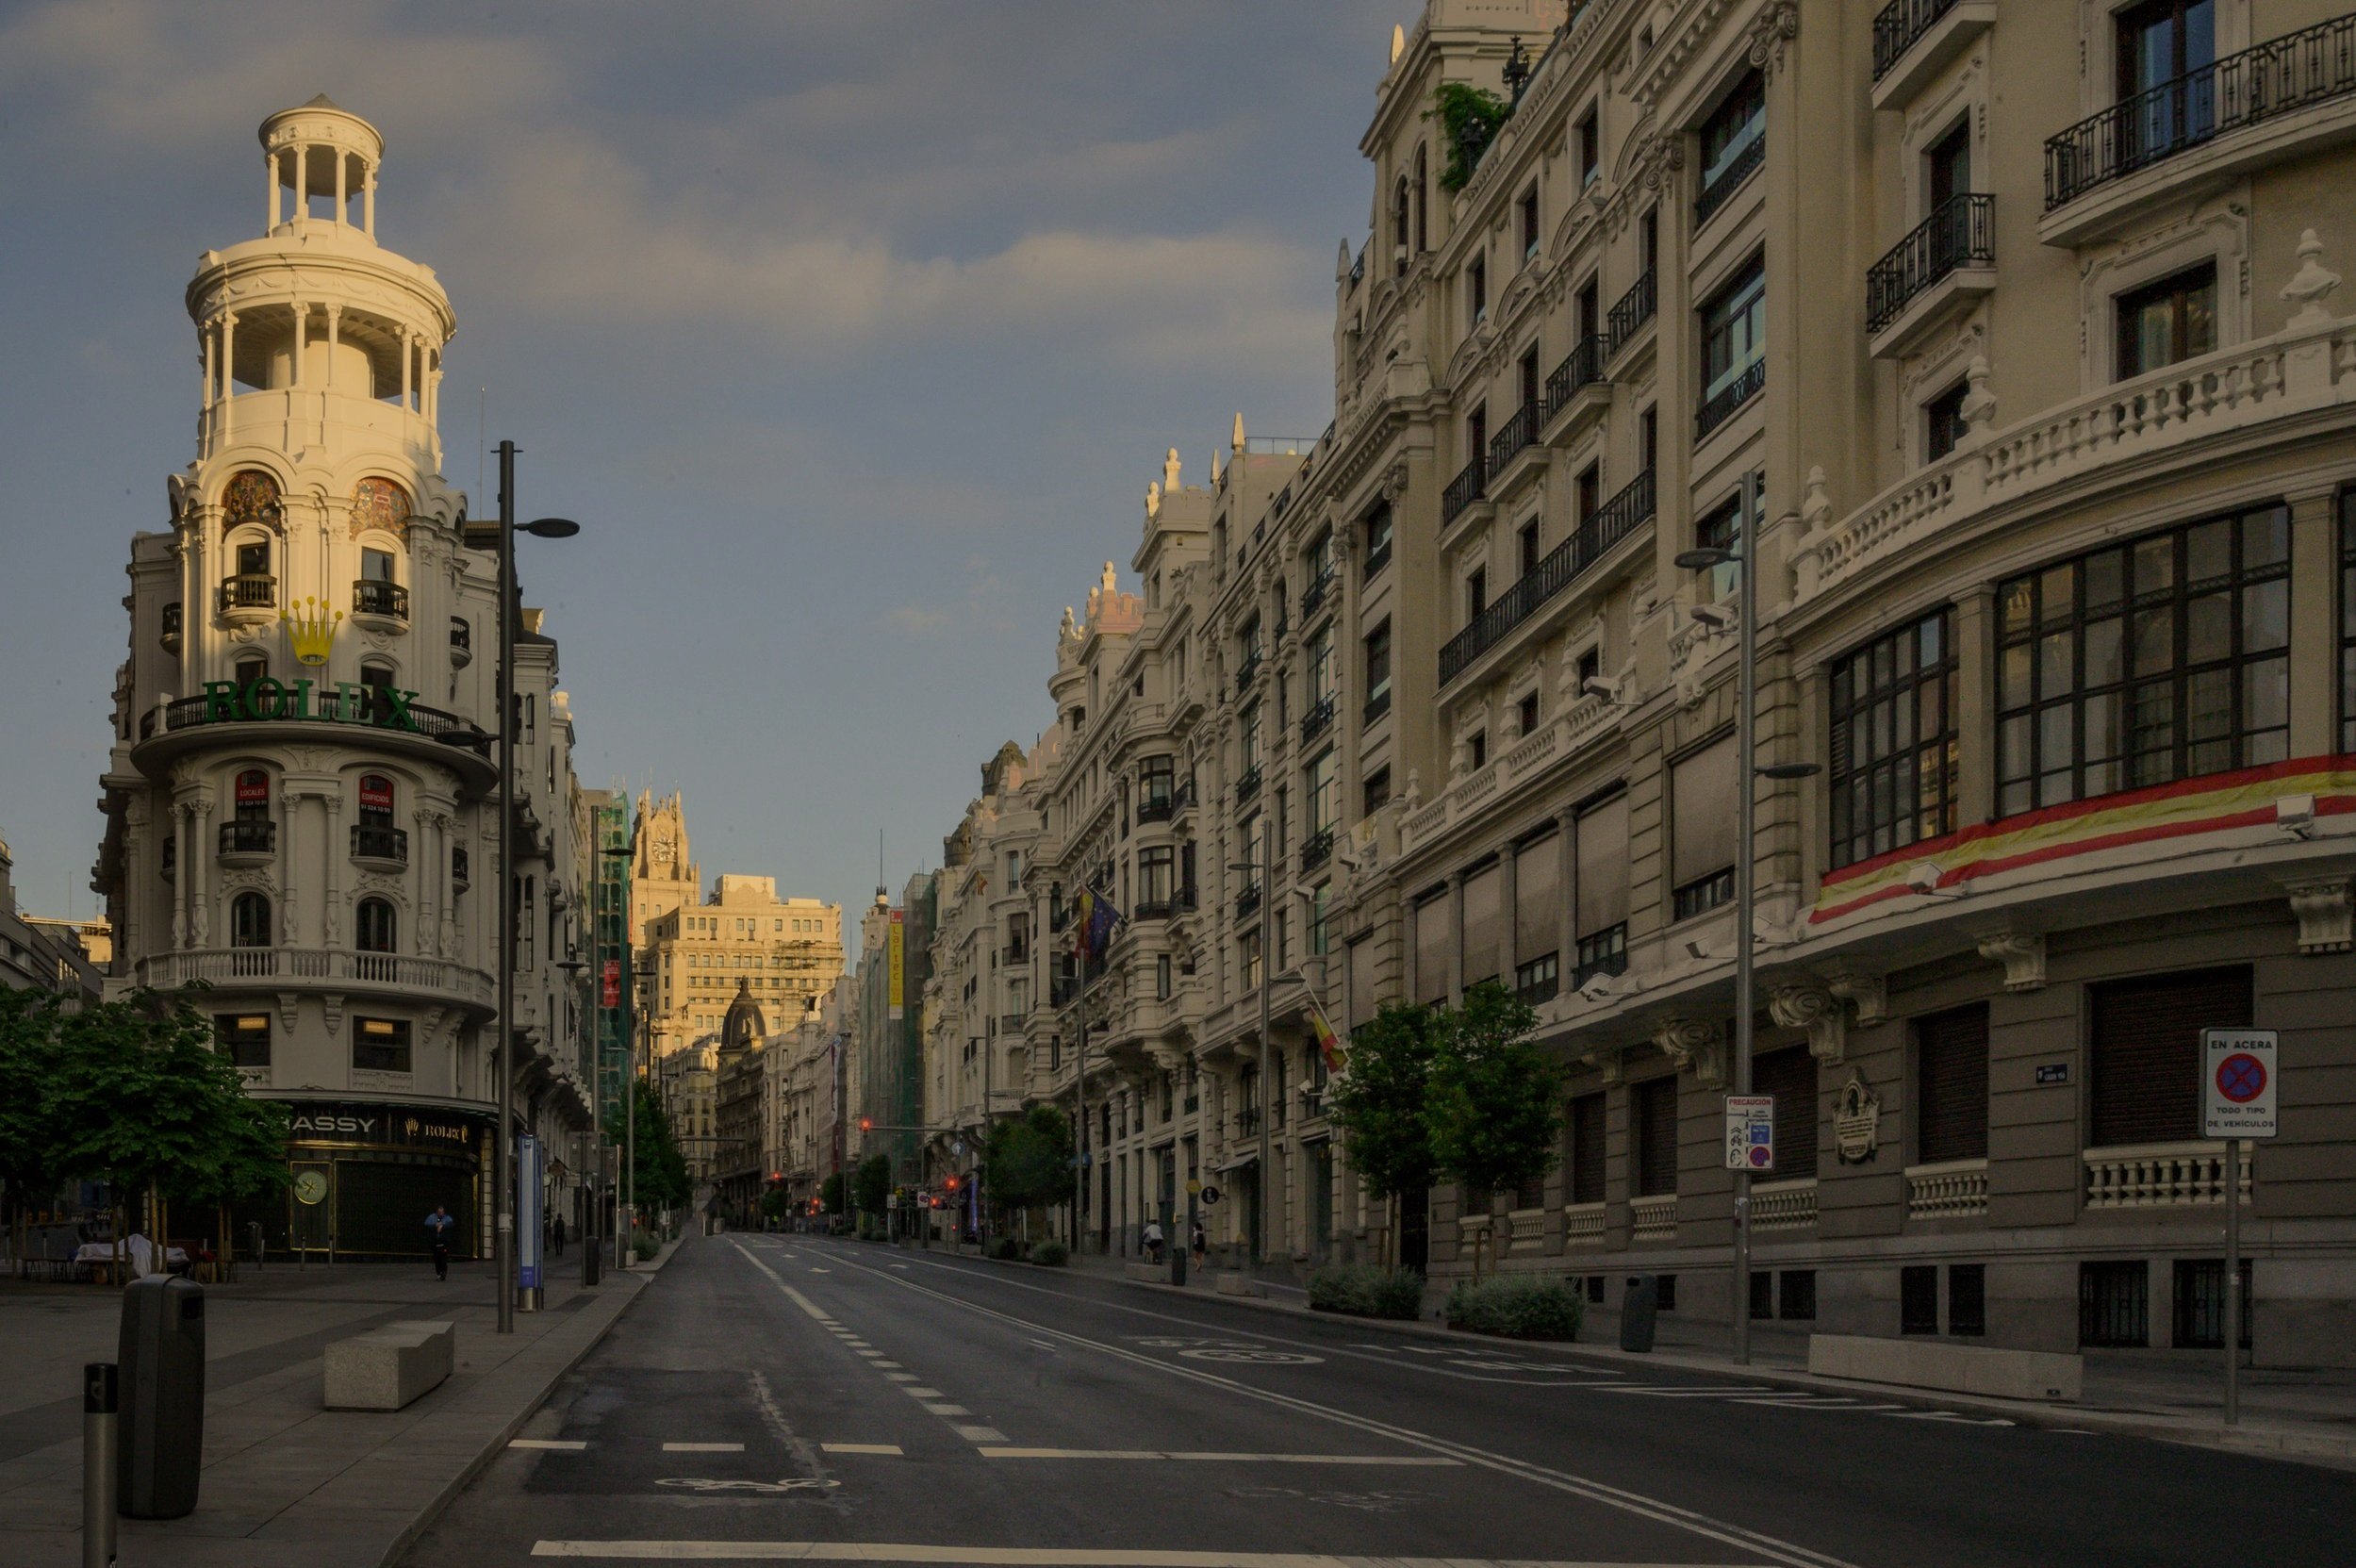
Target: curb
[(2324, 1449), (474, 1467)]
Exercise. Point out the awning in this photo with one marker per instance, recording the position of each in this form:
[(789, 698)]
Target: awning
[(1237, 1164)]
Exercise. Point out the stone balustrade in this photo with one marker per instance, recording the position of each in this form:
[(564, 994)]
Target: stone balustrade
[(1952, 1189), (2149, 1176)]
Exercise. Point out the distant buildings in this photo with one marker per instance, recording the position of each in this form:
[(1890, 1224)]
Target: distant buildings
[(67, 957)]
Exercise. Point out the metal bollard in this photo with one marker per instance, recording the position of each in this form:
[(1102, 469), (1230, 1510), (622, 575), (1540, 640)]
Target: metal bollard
[(98, 1464)]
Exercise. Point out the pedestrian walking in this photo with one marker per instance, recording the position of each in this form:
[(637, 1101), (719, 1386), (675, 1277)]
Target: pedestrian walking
[(1199, 1245), (557, 1236), (439, 1226), (1153, 1241)]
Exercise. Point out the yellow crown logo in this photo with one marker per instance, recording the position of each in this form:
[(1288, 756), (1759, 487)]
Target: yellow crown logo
[(311, 627)]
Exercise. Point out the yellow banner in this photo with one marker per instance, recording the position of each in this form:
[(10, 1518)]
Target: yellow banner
[(897, 950)]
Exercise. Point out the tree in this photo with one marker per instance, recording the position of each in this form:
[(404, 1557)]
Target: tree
[(1495, 1103), (872, 1184), (661, 1170), (1027, 1161), (1377, 1106), (830, 1194), (29, 1055)]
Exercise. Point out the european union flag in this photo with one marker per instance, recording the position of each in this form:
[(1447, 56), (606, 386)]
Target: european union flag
[(1095, 919)]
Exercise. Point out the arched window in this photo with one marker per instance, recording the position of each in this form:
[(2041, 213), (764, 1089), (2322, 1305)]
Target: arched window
[(249, 920), (379, 504), (251, 496), (1423, 202), (1402, 221), (376, 926)]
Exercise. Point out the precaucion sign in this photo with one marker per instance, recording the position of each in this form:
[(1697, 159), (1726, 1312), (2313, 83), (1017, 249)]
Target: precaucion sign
[(1751, 1133), (2237, 1082)]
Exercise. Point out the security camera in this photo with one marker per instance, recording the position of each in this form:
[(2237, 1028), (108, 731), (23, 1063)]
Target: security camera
[(1716, 617), (2296, 815), (1600, 686), (1696, 948)]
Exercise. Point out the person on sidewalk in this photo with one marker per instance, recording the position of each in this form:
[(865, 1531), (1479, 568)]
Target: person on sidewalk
[(438, 1225), (1199, 1246), (556, 1236), (1153, 1241)]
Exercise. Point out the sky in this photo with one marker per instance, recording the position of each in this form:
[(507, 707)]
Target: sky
[(852, 331)]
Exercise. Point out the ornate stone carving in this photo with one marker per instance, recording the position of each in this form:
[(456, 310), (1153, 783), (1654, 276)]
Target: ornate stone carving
[(1979, 403), (2326, 918), (334, 1001), (2310, 286), (1695, 1047), (1856, 1121), (1810, 1005), (2021, 952), (1611, 1061), (1773, 28), (286, 1010), (1868, 994)]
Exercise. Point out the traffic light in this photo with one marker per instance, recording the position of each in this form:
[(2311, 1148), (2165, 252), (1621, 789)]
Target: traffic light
[(867, 1123), (952, 1183)]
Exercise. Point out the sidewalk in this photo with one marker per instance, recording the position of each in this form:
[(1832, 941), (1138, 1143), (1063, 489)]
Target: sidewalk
[(287, 1481), (2304, 1414)]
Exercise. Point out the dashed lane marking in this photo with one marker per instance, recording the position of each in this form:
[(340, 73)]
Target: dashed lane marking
[(562, 1446), (922, 1392), (1408, 1461), (1043, 1556), (703, 1447), (892, 1448), (901, 1377), (947, 1410), (978, 1434)]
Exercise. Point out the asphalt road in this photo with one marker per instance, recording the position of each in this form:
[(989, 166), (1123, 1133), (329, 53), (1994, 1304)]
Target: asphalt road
[(782, 1398)]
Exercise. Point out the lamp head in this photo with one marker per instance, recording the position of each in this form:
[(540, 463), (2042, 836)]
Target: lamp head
[(1704, 558), (550, 528)]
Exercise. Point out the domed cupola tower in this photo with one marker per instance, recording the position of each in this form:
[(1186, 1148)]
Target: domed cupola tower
[(287, 822)]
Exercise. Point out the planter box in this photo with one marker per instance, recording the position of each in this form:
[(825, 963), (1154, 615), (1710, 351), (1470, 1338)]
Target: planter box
[(1959, 1368)]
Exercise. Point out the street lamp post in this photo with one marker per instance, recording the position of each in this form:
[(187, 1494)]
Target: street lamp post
[(1745, 556)]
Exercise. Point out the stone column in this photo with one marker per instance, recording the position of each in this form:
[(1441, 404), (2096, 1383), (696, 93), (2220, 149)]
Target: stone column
[(342, 175), (223, 418), (200, 890), (1567, 938), (270, 164), (331, 879), (407, 348), (1975, 705), (302, 330), (335, 336), (368, 199), (204, 350), (180, 859), (2315, 569), (302, 180)]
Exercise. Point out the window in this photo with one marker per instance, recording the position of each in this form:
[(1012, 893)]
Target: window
[(1247, 737), (1702, 825), (1157, 784), (1762, 1293), (1156, 868), (1648, 438), (2199, 1304), (1320, 924), (1161, 977), (2165, 321), (1590, 139), (2114, 1303), (1531, 554), (1734, 337), (1537, 917), (1378, 670), (253, 796), (1894, 758), (1321, 787), (1720, 529), (2145, 1039), (1374, 793), (245, 1036), (249, 920), (1966, 1298), (1476, 289), (1527, 212), (1600, 896), (374, 926), (1732, 142), (1378, 530), (376, 566), (1525, 714), (1917, 1298), (2162, 659), (380, 1045), (250, 670), (1584, 1164), (1656, 1106), (1943, 422), (1795, 1291), (1321, 670), (1477, 749), (254, 559), (1947, 167), (1666, 1300), (1590, 668), (1951, 1068), (1431, 948), (1484, 929), (1789, 1075), (2159, 43), (1475, 593)]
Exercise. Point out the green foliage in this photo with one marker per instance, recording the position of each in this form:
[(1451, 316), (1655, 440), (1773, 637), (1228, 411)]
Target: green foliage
[(663, 1181), (1517, 1306), (1376, 1107), (1027, 1161), (1470, 117), (1052, 1254), (871, 1184), (775, 1204), (1495, 1103), (30, 1057), (831, 1194), (1006, 1250), (1362, 1290), (644, 1247)]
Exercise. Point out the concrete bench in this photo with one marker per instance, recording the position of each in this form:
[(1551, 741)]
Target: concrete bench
[(388, 1367), (1959, 1368), (1240, 1284)]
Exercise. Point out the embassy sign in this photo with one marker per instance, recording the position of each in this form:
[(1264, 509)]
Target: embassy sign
[(340, 703)]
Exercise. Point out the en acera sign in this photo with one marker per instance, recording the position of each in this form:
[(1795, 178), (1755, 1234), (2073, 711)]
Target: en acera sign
[(344, 703)]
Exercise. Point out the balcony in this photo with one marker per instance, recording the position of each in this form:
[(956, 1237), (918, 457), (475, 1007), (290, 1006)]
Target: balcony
[(1188, 900), (248, 840), (1953, 1189), (1317, 720), (1464, 489), (461, 643), (2159, 1176), (1727, 401), (1248, 667), (1784, 1205), (185, 725), (377, 600), (1630, 312), (1613, 522), (1580, 372), (1012, 1023), (1015, 953), (1655, 1218), (1320, 587), (2200, 131), (1317, 850), (1376, 558), (1583, 1225), (171, 637), (1915, 39), (1247, 787), (1948, 260), (1375, 706), (1247, 1121), (1515, 436), (1157, 808), (381, 845), (1730, 179), (1248, 903), (250, 596), (1152, 909), (392, 975), (1182, 798)]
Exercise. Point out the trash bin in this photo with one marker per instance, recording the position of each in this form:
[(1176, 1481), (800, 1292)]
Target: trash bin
[(1637, 1305), (161, 1373)]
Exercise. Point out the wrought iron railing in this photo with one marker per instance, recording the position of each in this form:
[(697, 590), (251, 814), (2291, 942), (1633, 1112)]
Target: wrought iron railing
[(1631, 310), (1317, 720), (1899, 27), (1612, 522), (1248, 903), (1317, 850), (1464, 489), (1730, 179), (371, 597), (2284, 73), (1247, 785), (459, 865), (1960, 232), (1182, 798), (1157, 808), (1249, 668), (1376, 707), (1582, 366), (1515, 434), (188, 713), (250, 837), (372, 843), (252, 590), (173, 621), (1152, 909), (1314, 595), (1719, 405)]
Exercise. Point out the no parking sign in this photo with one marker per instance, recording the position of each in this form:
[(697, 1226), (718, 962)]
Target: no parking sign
[(2237, 1082)]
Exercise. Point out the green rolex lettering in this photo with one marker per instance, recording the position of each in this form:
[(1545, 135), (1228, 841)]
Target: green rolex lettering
[(396, 714), (221, 704), (266, 697)]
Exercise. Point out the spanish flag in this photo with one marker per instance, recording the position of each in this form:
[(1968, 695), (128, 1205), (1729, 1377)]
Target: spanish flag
[(1330, 1045)]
